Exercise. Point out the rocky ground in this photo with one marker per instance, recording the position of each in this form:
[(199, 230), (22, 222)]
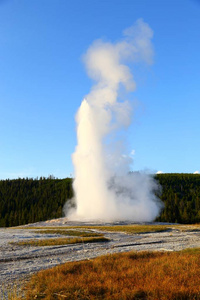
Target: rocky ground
[(19, 262)]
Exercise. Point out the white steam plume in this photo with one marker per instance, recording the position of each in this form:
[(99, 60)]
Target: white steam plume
[(104, 188)]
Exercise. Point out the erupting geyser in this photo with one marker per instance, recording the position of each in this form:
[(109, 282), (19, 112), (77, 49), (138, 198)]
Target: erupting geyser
[(104, 187)]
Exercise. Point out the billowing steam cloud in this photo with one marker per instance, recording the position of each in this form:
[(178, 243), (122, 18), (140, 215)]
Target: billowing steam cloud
[(104, 187)]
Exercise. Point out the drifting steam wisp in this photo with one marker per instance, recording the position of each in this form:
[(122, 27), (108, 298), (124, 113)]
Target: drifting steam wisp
[(104, 187)]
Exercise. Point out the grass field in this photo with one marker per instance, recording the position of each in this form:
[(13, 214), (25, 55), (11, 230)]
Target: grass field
[(133, 275)]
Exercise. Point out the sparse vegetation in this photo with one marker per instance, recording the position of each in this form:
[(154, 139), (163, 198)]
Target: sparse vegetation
[(142, 275), (11, 291), (129, 229), (60, 241), (191, 227), (69, 232)]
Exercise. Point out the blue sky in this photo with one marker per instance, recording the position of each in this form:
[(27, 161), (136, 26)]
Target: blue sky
[(43, 81)]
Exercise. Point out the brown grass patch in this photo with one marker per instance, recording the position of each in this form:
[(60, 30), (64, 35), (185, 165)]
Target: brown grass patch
[(69, 232), (61, 241), (132, 229), (133, 275)]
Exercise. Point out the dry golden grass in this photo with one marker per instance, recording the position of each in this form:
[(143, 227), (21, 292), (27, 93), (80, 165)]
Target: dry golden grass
[(142, 275), (131, 229), (61, 241), (69, 232)]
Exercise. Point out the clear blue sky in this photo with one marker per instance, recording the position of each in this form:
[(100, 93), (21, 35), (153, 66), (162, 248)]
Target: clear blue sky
[(43, 81)]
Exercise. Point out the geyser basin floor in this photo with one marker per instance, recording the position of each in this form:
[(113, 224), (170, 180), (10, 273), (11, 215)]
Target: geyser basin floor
[(17, 262)]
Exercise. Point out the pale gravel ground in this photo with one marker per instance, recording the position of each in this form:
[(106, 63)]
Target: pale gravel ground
[(18, 262)]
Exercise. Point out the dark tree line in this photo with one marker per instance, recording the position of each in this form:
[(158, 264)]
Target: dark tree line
[(25, 201), (181, 197)]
